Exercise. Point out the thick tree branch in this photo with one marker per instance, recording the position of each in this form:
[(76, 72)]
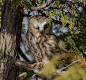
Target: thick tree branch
[(42, 6), (23, 64)]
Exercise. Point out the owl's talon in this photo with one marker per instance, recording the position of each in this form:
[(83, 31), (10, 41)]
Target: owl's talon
[(40, 66), (37, 67)]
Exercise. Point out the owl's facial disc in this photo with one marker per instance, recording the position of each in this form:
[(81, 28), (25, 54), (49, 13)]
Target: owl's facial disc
[(40, 26)]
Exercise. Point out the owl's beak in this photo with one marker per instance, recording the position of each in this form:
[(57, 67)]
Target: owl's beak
[(41, 32)]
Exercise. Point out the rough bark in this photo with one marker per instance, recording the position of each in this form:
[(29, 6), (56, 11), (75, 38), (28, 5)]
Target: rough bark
[(11, 22)]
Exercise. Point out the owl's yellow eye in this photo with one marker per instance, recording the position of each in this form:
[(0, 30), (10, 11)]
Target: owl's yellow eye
[(46, 26)]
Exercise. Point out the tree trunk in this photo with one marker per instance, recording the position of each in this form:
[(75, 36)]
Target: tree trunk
[(11, 22)]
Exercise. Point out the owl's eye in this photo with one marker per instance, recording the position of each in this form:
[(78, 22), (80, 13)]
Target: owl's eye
[(36, 27), (46, 26)]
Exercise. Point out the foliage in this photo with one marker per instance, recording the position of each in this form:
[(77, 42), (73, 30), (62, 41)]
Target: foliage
[(72, 45), (75, 72)]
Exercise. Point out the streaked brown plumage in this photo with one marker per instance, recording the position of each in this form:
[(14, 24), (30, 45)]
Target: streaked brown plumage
[(40, 39)]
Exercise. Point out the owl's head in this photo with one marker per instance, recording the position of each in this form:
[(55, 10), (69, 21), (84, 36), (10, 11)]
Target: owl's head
[(38, 25)]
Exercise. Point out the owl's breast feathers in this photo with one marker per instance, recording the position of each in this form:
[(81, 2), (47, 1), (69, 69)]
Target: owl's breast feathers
[(42, 48)]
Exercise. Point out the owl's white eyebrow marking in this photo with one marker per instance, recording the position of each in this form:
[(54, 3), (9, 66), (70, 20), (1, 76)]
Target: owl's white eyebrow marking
[(42, 25), (35, 24)]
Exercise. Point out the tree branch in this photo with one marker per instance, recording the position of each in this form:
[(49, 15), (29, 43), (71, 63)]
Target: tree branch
[(61, 71), (22, 74), (42, 6), (24, 64), (23, 56)]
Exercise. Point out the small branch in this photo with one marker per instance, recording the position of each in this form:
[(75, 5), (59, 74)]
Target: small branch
[(70, 64), (61, 71), (22, 74), (24, 64), (23, 56), (42, 6)]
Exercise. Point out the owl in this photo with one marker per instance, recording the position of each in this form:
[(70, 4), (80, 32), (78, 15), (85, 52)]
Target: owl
[(40, 39)]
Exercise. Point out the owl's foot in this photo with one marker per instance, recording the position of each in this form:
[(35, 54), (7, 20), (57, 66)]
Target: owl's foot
[(37, 67)]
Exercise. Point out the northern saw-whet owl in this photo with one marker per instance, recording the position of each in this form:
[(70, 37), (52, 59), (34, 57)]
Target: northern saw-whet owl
[(40, 39)]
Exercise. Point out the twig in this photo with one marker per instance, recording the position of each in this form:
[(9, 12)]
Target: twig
[(61, 71), (42, 6), (22, 74), (70, 64)]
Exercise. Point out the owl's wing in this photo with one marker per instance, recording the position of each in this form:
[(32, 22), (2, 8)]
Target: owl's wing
[(57, 40), (56, 37), (60, 43)]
